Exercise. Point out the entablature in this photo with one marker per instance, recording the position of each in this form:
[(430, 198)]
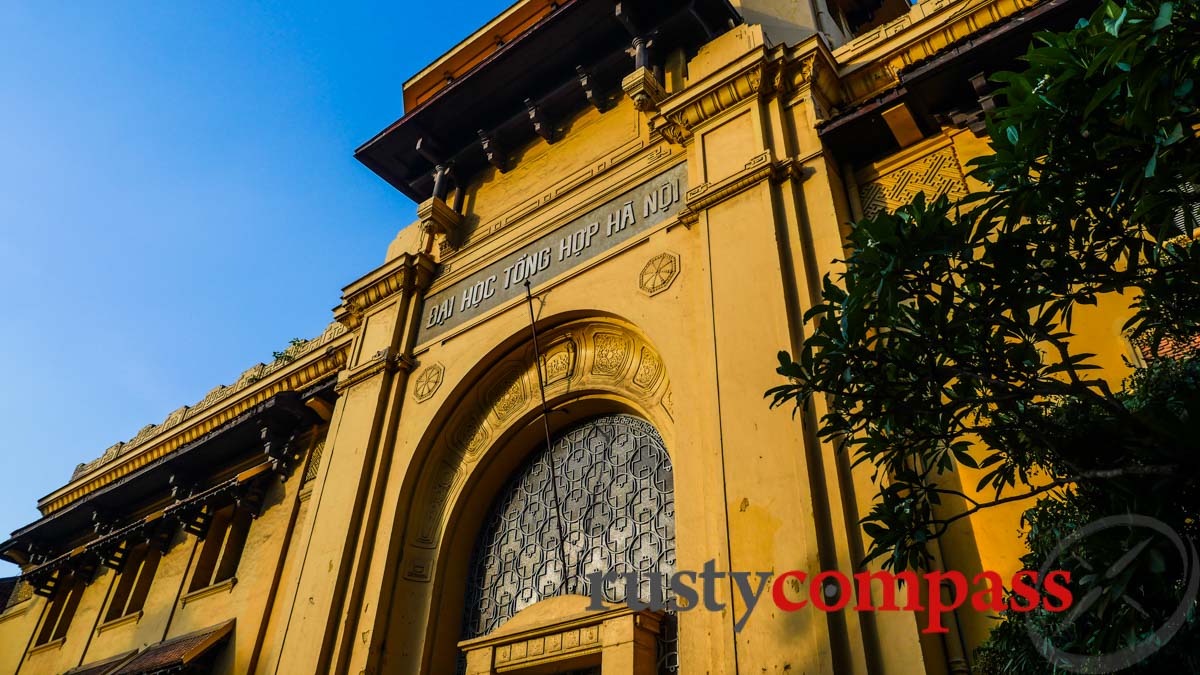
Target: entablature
[(173, 490), (297, 369), (872, 62), (559, 65), (406, 273), (556, 204), (927, 79)]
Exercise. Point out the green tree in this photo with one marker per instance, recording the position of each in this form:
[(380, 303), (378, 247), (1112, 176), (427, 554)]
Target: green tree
[(947, 339)]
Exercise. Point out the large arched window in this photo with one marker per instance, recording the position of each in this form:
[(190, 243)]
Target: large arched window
[(617, 502)]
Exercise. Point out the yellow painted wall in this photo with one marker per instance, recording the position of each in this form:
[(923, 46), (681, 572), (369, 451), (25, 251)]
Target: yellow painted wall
[(360, 590)]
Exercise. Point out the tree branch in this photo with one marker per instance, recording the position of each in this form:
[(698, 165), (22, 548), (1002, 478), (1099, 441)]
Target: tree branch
[(1088, 476)]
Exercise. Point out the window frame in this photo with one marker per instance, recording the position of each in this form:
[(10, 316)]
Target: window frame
[(61, 609), (133, 583), (222, 547)]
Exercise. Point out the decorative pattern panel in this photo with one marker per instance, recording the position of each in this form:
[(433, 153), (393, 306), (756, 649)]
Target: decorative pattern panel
[(934, 174), (314, 463), (658, 273), (612, 350), (428, 381), (617, 495)]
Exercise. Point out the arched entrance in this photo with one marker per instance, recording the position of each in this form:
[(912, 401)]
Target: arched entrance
[(478, 439), (602, 500)]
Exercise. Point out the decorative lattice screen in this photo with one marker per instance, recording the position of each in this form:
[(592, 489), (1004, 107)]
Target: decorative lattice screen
[(618, 510)]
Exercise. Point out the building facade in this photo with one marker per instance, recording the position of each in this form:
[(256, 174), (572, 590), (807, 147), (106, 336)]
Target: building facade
[(625, 209)]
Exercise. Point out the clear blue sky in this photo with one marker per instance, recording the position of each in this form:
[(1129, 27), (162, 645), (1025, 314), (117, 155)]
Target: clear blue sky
[(179, 198)]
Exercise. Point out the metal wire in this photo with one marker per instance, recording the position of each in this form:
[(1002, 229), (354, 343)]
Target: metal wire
[(537, 365)]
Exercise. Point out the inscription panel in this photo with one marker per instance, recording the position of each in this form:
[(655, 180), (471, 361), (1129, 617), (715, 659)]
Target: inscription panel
[(567, 246)]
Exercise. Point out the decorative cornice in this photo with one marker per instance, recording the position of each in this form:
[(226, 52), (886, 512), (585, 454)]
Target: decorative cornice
[(680, 118), (756, 171), (292, 376), (250, 377), (803, 70), (383, 360), (406, 273), (810, 73), (872, 62)]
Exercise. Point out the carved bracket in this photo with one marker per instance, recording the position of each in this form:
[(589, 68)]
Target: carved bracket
[(438, 219), (493, 151), (278, 448), (541, 123), (588, 82), (644, 90)]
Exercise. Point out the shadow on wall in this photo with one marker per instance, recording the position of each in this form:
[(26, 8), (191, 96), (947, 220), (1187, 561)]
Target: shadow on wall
[(784, 23)]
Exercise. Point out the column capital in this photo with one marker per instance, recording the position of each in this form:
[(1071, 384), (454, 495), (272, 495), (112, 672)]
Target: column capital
[(437, 218), (408, 272)]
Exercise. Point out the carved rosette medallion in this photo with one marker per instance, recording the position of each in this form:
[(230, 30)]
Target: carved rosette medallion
[(471, 435), (659, 273), (428, 382)]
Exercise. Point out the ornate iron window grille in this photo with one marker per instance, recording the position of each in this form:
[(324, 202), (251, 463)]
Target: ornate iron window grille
[(618, 495)]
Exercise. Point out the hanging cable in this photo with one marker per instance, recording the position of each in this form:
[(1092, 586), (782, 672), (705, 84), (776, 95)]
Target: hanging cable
[(537, 365)]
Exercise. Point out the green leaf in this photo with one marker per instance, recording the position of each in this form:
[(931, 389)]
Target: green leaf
[(1175, 136), (1164, 17), (990, 460), (1151, 165), (1114, 26), (965, 458), (1102, 94)]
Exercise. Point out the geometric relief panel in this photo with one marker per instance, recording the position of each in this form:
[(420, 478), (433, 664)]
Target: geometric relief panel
[(935, 174), (615, 510)]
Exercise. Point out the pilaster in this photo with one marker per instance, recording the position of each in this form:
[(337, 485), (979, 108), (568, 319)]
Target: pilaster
[(741, 167), (381, 310)]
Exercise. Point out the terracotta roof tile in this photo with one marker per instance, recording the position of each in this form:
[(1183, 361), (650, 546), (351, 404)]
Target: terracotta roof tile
[(1168, 349), (177, 652)]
